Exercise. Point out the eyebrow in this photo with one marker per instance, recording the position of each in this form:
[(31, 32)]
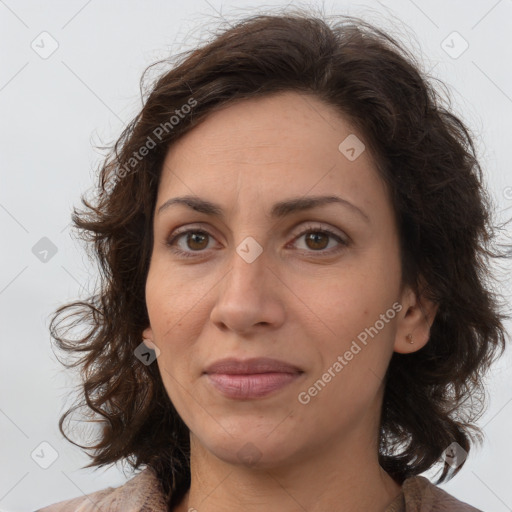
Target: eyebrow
[(279, 210)]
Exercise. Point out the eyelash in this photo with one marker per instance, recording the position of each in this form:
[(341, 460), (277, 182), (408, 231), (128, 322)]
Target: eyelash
[(310, 229)]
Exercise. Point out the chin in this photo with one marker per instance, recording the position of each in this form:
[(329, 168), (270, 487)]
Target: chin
[(262, 449)]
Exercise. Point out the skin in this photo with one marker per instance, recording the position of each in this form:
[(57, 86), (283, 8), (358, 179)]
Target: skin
[(298, 301)]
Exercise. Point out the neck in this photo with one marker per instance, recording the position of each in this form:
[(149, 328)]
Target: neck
[(346, 477)]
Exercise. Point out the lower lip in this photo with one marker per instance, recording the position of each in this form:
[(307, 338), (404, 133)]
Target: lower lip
[(250, 385)]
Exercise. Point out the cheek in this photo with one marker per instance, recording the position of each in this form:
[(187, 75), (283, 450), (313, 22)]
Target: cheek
[(177, 312), (346, 320), (348, 302), (168, 299)]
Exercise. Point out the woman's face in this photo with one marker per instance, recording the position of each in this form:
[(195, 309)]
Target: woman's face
[(317, 288)]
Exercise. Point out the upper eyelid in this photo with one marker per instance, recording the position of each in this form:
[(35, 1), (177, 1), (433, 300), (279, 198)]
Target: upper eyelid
[(303, 225), (302, 228)]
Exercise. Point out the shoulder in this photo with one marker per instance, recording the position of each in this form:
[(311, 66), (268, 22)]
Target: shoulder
[(141, 492), (420, 494)]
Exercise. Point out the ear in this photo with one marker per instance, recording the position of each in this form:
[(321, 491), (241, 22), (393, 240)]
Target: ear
[(147, 334), (415, 319)]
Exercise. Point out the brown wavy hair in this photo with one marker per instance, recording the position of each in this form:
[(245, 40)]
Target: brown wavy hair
[(427, 158)]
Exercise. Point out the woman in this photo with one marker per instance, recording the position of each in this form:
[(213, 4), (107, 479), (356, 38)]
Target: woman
[(299, 232)]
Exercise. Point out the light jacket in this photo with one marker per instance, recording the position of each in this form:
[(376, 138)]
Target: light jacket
[(143, 493)]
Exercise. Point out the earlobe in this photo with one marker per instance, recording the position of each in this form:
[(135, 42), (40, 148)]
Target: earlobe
[(147, 334), (413, 326)]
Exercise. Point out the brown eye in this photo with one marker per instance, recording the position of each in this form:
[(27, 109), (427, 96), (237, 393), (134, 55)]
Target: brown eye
[(317, 240), (195, 240), (189, 242)]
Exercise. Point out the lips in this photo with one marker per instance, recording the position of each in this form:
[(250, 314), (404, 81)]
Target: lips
[(233, 366), (252, 378)]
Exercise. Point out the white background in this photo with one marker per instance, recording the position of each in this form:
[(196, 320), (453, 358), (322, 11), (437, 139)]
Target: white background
[(54, 110)]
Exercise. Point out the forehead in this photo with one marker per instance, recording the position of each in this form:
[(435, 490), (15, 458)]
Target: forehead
[(286, 144)]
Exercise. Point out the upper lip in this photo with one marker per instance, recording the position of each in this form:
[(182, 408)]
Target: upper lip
[(235, 366)]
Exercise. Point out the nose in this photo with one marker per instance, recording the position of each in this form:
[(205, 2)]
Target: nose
[(249, 296)]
